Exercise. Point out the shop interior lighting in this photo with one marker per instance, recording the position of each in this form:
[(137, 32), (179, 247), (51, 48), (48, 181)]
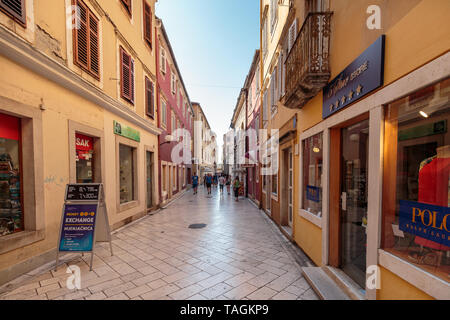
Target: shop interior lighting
[(423, 114)]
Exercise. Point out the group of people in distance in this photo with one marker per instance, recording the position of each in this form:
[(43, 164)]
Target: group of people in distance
[(212, 181)]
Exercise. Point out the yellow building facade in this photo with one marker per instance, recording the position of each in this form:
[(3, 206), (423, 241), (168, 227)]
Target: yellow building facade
[(349, 154), (80, 93)]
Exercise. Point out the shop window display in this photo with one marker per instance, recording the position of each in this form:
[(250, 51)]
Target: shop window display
[(84, 158), (127, 170), (11, 213), (312, 174), (416, 182)]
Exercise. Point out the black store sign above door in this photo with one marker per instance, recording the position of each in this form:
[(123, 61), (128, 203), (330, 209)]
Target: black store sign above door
[(361, 77)]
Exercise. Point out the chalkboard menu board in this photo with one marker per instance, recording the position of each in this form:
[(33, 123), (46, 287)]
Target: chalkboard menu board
[(83, 192)]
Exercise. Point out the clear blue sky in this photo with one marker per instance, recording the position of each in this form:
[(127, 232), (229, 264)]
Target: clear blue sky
[(214, 42)]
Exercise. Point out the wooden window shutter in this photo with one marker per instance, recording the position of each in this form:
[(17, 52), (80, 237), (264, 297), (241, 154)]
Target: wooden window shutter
[(82, 37), (125, 75), (15, 9), (147, 23), (94, 55), (149, 97), (292, 34), (127, 5), (132, 80), (86, 41)]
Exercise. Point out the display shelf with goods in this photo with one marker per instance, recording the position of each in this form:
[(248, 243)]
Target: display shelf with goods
[(10, 205)]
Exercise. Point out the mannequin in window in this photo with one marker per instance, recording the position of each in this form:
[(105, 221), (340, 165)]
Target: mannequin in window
[(434, 190)]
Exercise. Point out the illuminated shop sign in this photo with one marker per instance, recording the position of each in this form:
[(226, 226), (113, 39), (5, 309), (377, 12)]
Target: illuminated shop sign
[(361, 77), (426, 221)]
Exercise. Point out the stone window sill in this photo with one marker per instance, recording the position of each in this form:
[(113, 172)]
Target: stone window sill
[(311, 217)]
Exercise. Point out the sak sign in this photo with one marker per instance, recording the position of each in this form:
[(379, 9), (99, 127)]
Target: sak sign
[(127, 132), (361, 77), (426, 221)]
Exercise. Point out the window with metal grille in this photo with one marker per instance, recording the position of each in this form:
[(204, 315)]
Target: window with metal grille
[(127, 5), (149, 98), (126, 76), (15, 9), (148, 23), (86, 41)]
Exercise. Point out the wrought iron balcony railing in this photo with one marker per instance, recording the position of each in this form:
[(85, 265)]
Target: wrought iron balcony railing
[(307, 64)]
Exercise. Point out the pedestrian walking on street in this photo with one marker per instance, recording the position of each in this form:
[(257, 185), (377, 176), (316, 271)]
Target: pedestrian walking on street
[(228, 183), (195, 183), (236, 186), (208, 183), (221, 183)]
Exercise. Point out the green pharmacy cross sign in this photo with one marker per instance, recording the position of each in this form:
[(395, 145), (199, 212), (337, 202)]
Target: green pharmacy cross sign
[(126, 132)]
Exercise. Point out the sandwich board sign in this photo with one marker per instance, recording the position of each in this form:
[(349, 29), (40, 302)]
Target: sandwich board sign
[(84, 220)]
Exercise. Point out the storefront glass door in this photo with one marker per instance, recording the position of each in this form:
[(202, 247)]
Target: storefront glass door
[(355, 143)]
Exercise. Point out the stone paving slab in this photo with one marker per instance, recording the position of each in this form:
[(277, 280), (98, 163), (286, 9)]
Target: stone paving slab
[(238, 255)]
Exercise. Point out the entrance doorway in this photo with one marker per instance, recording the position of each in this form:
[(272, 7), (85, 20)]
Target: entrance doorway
[(355, 150), (287, 190), (149, 174), (348, 198)]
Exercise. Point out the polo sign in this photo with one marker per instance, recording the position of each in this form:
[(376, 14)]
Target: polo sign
[(361, 77), (425, 220)]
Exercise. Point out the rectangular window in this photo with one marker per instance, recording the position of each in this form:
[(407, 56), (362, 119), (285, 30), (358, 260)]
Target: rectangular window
[(163, 112), (264, 39), (312, 174), (127, 173), (149, 98), (126, 76), (147, 23), (15, 9), (273, 14), (84, 148), (416, 179), (164, 177), (173, 83), (162, 60), (86, 41), (11, 204), (127, 5), (274, 158)]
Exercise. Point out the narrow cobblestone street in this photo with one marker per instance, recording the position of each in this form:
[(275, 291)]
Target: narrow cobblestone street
[(238, 255)]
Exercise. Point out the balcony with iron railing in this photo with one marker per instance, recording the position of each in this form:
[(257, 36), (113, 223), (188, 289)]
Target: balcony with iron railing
[(307, 64)]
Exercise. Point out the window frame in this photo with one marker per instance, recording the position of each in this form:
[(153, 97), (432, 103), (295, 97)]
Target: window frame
[(131, 74), (89, 33), (162, 56), (149, 26), (149, 85), (128, 6), (163, 113)]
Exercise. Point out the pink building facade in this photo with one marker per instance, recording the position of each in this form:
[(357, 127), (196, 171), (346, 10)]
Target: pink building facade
[(174, 114)]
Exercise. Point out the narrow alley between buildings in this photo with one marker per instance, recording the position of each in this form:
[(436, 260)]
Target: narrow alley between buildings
[(238, 254)]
